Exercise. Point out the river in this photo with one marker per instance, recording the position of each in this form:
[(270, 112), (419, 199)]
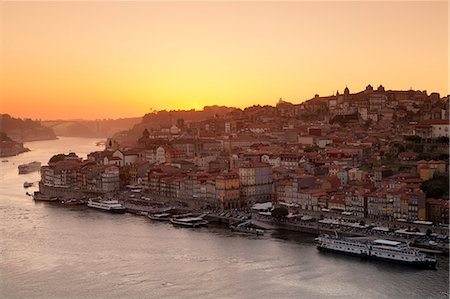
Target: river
[(51, 251)]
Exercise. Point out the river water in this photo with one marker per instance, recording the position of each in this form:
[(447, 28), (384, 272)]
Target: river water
[(51, 251)]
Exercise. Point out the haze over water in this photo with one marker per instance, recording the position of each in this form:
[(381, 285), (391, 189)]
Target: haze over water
[(51, 251)]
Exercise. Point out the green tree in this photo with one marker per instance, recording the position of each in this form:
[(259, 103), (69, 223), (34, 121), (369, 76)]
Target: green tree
[(280, 212), (412, 138), (57, 158), (313, 148), (442, 139), (437, 187)]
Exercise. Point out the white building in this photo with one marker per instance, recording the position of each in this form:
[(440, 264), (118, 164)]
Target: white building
[(432, 128)]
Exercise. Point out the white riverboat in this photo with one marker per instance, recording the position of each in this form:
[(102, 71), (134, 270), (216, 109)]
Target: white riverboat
[(190, 221), (246, 227), (108, 205), (392, 251), (159, 217)]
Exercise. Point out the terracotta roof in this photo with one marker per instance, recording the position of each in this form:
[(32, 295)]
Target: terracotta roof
[(430, 122)]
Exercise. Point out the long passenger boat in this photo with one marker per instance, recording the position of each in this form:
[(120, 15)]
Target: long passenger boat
[(387, 250), (110, 205)]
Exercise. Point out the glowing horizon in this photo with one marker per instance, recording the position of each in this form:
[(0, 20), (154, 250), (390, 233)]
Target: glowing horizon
[(95, 60)]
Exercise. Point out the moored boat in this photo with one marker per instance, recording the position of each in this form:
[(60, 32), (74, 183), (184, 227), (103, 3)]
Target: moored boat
[(108, 205), (190, 221), (160, 217), (71, 202), (27, 184), (29, 167), (38, 196), (387, 250), (246, 227)]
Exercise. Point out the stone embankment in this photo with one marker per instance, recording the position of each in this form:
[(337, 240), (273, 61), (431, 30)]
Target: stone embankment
[(64, 193)]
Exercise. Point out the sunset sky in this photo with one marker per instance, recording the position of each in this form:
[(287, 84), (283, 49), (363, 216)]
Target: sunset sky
[(119, 59)]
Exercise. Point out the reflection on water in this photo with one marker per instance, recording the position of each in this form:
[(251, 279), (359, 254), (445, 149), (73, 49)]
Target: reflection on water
[(50, 251)]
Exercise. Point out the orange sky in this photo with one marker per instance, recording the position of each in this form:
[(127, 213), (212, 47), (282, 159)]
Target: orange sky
[(118, 59)]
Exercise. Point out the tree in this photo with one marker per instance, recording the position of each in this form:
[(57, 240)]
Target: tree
[(437, 187), (280, 212), (442, 139), (57, 158), (413, 138), (312, 148)]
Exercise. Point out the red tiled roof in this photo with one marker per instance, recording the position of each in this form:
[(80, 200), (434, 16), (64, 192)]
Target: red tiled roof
[(430, 122)]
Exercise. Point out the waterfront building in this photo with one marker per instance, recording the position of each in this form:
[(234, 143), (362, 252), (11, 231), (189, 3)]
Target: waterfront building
[(110, 179), (357, 203), (416, 205), (256, 182), (379, 206), (437, 210), (227, 187)]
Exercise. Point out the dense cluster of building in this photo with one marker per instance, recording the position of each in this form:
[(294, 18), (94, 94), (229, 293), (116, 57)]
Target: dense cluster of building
[(366, 153)]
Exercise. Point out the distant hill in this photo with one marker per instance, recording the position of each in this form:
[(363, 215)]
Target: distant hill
[(22, 130), (165, 119), (91, 128)]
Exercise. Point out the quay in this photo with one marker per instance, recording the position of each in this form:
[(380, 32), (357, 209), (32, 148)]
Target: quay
[(139, 203)]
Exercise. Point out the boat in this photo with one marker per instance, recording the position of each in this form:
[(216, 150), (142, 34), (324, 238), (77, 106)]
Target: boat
[(381, 229), (387, 250), (29, 167), (38, 196), (108, 205), (71, 202), (159, 217), (245, 227), (430, 247), (190, 221), (27, 184)]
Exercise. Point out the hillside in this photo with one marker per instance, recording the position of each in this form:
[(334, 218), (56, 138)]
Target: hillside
[(91, 128), (23, 130), (9, 147), (165, 119)]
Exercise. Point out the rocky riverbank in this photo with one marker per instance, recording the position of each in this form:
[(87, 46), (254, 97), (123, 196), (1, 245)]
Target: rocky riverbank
[(9, 147)]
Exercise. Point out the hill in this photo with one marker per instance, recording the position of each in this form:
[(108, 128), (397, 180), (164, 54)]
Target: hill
[(22, 130), (101, 128)]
